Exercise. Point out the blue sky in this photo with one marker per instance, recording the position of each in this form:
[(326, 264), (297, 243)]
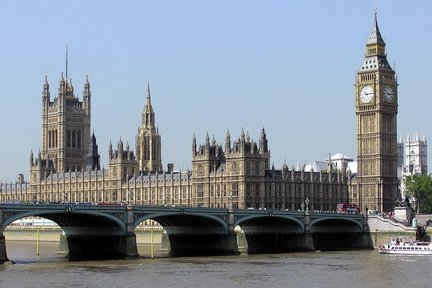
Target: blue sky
[(287, 66)]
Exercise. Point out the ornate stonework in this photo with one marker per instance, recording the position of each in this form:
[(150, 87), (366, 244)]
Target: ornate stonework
[(376, 115)]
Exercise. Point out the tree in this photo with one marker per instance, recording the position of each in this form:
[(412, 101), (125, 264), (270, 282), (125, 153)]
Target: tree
[(420, 186)]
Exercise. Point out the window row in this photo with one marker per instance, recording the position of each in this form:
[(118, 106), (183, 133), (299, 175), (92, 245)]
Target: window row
[(73, 139)]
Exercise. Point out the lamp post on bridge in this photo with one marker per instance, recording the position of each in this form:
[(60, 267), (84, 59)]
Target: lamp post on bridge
[(130, 195), (365, 211), (415, 205), (307, 204), (229, 200), (167, 199)]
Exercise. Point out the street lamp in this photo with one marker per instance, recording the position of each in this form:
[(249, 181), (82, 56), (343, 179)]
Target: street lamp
[(229, 200), (414, 204), (398, 203), (307, 204), (130, 194)]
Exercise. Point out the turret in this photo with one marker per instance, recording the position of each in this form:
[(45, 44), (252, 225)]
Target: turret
[(227, 142), (207, 145), (62, 85), (120, 149), (87, 97), (123, 163), (93, 157), (242, 141), (110, 150), (194, 145), (263, 142), (45, 93)]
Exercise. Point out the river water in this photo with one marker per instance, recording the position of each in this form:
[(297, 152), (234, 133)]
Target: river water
[(314, 269)]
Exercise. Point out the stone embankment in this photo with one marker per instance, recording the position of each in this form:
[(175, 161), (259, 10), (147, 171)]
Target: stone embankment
[(381, 229)]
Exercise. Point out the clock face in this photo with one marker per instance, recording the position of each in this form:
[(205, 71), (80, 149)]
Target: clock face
[(366, 94), (388, 94)]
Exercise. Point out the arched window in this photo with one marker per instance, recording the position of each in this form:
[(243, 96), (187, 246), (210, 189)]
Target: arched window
[(73, 139), (79, 139), (68, 141), (56, 138), (49, 139)]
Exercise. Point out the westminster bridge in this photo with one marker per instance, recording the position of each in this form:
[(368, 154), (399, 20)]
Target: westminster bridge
[(107, 231)]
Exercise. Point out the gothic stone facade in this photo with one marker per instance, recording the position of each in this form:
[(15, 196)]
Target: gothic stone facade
[(237, 175)]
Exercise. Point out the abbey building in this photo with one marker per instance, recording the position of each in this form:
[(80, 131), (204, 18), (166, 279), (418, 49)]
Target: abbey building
[(235, 174)]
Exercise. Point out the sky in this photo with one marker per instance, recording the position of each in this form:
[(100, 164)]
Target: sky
[(286, 66)]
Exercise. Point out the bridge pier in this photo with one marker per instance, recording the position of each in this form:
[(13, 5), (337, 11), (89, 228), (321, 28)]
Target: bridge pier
[(278, 242), (83, 247), (202, 244), (3, 256), (308, 242), (107, 243), (343, 240)]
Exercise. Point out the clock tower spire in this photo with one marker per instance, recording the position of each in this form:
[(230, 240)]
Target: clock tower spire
[(376, 117)]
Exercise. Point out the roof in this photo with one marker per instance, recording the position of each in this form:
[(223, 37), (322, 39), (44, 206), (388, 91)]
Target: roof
[(340, 156), (161, 177), (375, 37)]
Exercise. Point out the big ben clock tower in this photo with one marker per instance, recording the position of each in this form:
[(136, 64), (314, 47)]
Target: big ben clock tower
[(376, 115)]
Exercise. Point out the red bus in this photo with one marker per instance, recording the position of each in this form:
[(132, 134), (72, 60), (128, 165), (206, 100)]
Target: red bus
[(347, 208)]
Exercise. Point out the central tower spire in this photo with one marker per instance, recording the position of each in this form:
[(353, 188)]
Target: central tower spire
[(148, 116), (148, 140)]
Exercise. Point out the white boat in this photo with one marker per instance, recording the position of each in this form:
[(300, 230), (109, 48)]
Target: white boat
[(403, 245)]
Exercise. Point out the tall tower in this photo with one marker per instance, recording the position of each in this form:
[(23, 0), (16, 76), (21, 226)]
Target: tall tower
[(376, 115), (400, 159), (66, 126), (148, 140), (415, 156)]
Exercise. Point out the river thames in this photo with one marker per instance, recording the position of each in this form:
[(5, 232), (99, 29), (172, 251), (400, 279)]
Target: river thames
[(314, 269)]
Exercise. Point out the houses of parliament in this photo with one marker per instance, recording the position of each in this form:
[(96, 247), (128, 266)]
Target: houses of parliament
[(236, 174)]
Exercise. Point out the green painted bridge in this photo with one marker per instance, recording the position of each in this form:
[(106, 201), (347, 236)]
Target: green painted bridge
[(107, 231)]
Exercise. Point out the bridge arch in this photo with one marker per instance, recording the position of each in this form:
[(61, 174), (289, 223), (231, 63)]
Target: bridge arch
[(192, 232), (178, 217), (91, 232), (338, 232), (335, 222), (56, 215), (268, 233), (249, 220)]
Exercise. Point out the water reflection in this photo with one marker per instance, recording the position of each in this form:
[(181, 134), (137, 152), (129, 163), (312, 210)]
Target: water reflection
[(330, 269)]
